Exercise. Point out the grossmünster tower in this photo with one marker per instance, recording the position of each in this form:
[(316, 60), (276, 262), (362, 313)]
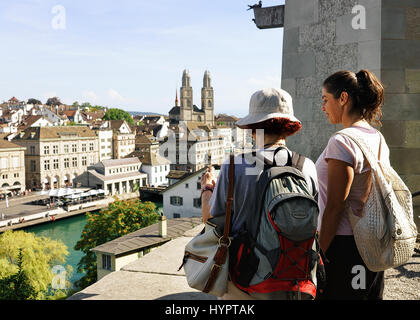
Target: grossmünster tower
[(188, 111)]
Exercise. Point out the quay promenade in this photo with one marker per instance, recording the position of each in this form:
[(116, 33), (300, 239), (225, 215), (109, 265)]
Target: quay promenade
[(22, 213)]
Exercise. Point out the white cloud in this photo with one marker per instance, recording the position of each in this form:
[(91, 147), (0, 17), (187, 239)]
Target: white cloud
[(48, 95), (90, 96), (114, 95)]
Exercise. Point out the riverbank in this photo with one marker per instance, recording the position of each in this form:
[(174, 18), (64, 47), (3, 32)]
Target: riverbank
[(27, 218)]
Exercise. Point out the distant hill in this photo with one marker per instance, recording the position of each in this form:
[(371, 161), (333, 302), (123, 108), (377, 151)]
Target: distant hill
[(136, 113)]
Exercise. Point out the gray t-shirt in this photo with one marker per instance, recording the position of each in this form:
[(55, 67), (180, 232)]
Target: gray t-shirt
[(246, 172)]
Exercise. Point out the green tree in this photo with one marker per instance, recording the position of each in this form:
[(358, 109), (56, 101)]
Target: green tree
[(17, 286), (38, 256), (96, 108), (118, 114), (53, 102), (85, 105), (119, 219), (34, 101)]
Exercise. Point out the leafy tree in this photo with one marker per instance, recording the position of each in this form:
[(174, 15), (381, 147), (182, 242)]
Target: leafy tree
[(86, 105), (118, 114), (75, 104), (38, 257), (34, 101), (96, 108), (17, 286), (53, 102), (119, 219)]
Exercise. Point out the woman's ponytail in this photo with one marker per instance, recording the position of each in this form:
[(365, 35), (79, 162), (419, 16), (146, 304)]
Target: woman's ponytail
[(364, 89)]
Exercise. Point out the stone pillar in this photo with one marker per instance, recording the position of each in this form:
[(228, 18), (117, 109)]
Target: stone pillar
[(319, 39)]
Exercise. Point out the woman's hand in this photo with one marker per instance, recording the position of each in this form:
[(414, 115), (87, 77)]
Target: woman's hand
[(208, 178)]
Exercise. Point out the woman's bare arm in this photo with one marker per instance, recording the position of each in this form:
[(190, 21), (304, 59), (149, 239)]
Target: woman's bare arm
[(340, 179)]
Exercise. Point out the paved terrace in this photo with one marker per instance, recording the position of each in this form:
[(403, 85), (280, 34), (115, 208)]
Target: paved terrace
[(156, 277)]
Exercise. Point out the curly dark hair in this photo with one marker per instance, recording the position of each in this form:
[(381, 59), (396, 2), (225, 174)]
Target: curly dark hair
[(365, 90), (279, 126)]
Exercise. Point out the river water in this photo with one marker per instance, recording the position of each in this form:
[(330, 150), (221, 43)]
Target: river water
[(68, 231)]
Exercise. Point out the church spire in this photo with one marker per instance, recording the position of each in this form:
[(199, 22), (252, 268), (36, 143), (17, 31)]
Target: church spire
[(176, 99)]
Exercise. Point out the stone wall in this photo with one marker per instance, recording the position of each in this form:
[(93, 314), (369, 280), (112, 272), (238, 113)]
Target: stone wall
[(319, 40)]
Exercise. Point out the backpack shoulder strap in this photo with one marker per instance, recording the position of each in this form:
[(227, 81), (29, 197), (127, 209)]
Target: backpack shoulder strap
[(297, 161), (356, 137)]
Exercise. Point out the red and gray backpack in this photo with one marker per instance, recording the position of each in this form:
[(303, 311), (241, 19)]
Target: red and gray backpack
[(276, 255)]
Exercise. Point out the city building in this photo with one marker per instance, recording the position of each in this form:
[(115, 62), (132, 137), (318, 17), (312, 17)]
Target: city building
[(115, 176), (183, 198), (188, 111), (123, 138), (12, 167), (114, 255), (175, 175), (55, 156), (225, 120), (155, 166), (191, 146), (106, 145)]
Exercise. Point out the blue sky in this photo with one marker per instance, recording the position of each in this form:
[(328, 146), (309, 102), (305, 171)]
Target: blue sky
[(131, 53)]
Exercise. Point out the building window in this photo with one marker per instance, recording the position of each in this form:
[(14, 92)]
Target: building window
[(4, 163), (55, 164), (55, 149), (15, 162), (187, 186), (84, 161), (66, 148), (177, 215), (46, 149), (74, 148), (91, 146), (33, 165), (47, 165), (84, 147), (176, 201), (4, 176), (32, 150), (155, 169), (16, 175), (197, 203), (74, 162), (106, 262), (66, 163), (199, 185)]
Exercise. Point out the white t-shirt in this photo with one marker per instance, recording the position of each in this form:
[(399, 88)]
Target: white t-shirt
[(343, 148)]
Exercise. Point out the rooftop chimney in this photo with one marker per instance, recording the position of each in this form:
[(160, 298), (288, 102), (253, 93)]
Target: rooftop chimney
[(162, 227)]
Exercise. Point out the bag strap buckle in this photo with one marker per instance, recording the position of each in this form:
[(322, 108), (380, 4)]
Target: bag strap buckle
[(226, 241)]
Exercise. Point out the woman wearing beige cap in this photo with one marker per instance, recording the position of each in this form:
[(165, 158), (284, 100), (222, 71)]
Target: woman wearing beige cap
[(270, 110)]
